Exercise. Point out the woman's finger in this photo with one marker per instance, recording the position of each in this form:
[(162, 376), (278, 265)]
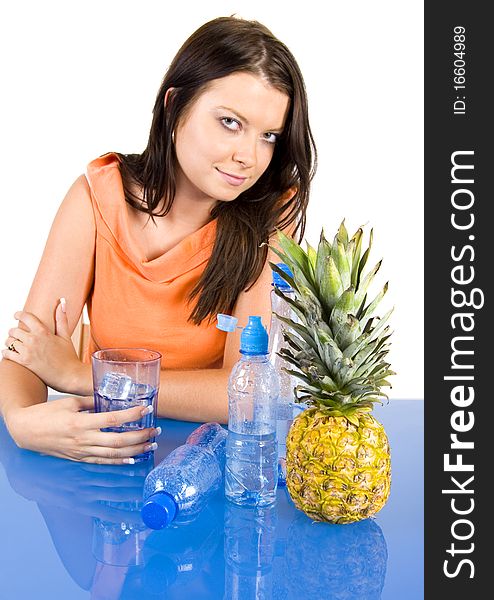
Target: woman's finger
[(13, 345), (116, 456), (114, 448), (31, 321), (117, 418), (125, 439), (61, 322), (16, 333), (11, 355)]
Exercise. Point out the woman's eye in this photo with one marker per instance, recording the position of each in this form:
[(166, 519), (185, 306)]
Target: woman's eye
[(233, 125), (271, 138), (230, 123)]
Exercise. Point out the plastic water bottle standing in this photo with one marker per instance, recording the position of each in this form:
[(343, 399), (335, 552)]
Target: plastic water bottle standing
[(180, 485), (285, 409), (251, 473)]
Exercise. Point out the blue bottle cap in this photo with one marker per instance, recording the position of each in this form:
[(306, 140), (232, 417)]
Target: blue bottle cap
[(226, 322), (254, 338), (159, 510), (278, 281)]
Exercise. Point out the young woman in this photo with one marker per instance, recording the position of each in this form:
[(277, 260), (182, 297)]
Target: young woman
[(156, 244)]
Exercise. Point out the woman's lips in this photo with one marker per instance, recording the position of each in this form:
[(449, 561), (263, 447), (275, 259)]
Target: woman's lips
[(231, 179)]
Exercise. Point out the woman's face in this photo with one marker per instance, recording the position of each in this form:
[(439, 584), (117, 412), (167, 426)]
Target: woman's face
[(226, 140)]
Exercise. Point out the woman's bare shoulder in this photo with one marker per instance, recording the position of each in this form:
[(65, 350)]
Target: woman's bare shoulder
[(75, 211), (79, 192)]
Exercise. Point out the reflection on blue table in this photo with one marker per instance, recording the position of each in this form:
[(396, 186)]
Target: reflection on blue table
[(228, 552), (344, 562), (250, 539)]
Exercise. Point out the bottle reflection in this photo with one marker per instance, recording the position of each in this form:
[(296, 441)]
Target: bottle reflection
[(335, 561), (172, 563), (186, 558), (250, 539), (177, 562)]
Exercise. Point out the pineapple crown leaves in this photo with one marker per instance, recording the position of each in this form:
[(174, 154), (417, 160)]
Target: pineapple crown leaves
[(337, 345)]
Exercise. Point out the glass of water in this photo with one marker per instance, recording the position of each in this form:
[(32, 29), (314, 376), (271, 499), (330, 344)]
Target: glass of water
[(123, 378)]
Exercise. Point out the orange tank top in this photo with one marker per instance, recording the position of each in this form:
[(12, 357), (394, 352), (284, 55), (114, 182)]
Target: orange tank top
[(139, 303)]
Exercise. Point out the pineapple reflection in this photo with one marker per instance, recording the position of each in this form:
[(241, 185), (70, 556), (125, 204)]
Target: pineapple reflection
[(250, 541), (337, 562)]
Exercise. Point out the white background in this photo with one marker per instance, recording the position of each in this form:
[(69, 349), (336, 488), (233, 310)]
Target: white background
[(79, 79)]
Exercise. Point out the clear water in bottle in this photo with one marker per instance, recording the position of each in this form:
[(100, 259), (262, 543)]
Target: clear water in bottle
[(179, 487), (251, 470)]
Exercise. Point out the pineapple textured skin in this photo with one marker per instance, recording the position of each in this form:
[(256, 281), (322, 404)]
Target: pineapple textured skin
[(337, 471)]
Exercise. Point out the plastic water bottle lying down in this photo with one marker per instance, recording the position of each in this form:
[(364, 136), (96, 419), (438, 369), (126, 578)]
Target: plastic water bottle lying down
[(179, 486)]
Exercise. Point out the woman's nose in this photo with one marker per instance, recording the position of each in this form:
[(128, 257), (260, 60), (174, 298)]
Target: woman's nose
[(245, 151)]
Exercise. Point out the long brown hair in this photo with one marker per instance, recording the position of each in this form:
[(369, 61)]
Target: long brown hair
[(219, 48)]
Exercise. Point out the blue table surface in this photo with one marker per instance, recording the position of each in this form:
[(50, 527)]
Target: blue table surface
[(72, 531)]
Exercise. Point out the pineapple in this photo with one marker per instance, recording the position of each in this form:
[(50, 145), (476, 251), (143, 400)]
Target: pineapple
[(338, 456)]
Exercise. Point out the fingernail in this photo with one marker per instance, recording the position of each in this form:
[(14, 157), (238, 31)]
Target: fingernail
[(63, 302), (147, 411), (152, 446), (157, 431), (129, 461)]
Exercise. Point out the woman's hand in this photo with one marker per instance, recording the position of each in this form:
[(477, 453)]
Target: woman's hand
[(51, 357), (59, 428)]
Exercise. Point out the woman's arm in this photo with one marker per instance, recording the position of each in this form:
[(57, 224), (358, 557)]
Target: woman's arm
[(20, 388), (58, 275), (193, 395), (62, 427)]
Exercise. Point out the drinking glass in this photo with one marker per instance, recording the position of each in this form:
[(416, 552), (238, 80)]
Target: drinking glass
[(123, 378)]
